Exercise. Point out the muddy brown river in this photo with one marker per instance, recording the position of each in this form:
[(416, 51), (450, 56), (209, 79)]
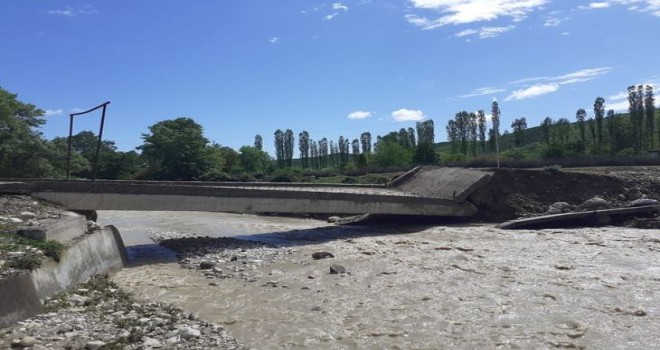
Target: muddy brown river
[(438, 287)]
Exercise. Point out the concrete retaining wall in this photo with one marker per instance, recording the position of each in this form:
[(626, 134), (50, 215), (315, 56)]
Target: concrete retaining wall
[(98, 253)]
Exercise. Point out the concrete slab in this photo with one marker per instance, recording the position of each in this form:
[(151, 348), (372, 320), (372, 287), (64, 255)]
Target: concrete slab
[(455, 184), (65, 229), (587, 218)]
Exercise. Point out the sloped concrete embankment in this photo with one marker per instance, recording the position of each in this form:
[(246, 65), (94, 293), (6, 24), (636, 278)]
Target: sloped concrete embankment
[(97, 253)]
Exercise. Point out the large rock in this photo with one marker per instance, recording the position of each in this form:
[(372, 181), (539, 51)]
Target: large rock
[(644, 202), (593, 204)]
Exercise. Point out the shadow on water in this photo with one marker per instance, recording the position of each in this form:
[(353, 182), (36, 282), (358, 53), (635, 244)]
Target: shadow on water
[(146, 254), (203, 245), (170, 250)]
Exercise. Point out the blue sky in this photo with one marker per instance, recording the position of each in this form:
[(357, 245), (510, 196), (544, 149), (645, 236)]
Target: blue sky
[(247, 67)]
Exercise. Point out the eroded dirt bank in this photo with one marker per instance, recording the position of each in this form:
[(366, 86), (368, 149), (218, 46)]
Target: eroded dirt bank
[(512, 193), (423, 288)]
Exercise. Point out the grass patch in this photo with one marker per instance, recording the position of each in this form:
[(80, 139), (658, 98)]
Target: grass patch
[(12, 242)]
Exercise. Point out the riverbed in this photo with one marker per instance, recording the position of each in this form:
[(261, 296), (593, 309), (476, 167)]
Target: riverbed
[(405, 287)]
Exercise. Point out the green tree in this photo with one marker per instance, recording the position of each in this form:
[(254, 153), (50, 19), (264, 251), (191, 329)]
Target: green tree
[(599, 114), (546, 129), (365, 141), (288, 147), (519, 126), (425, 131), (279, 148), (391, 153), (259, 142), (649, 111), (636, 109), (481, 121), (580, 116), (177, 150), (253, 160), (23, 151), (303, 146)]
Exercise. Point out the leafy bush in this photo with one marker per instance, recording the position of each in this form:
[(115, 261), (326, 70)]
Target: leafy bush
[(287, 175)]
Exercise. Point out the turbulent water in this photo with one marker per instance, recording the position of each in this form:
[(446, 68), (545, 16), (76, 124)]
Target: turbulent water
[(409, 288)]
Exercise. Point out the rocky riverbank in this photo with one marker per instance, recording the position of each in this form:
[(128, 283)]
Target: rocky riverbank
[(99, 315)]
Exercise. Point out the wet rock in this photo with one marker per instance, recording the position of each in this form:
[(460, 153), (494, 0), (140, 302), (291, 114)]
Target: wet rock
[(27, 342), (639, 312), (322, 255), (27, 215), (94, 344), (189, 333), (643, 202), (151, 343), (593, 204), (337, 269)]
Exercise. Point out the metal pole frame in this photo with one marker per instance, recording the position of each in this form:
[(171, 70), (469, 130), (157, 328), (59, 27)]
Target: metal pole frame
[(98, 144)]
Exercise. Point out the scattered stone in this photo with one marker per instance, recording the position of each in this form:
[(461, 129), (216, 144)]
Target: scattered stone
[(189, 333), (334, 219), (640, 312), (337, 269), (206, 265), (27, 215), (562, 206), (27, 342), (94, 344), (15, 220), (151, 343), (322, 255), (593, 204), (564, 266)]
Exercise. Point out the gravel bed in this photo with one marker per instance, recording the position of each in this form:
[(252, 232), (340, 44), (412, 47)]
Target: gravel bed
[(99, 315)]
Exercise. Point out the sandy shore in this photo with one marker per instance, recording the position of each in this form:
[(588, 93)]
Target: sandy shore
[(408, 288)]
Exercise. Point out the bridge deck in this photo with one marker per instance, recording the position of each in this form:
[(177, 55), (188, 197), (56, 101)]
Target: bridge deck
[(417, 194)]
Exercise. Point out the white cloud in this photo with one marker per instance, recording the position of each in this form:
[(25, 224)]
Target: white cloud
[(72, 12), (466, 33), (482, 92), (65, 12), (565, 33), (359, 115), (620, 96), (618, 106), (582, 75), (51, 112), (471, 11), (274, 40), (339, 6), (405, 115), (532, 91), (484, 32), (554, 21), (652, 6), (570, 78), (491, 32)]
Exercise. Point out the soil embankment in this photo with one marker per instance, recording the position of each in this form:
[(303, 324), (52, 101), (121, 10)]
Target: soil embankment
[(512, 193)]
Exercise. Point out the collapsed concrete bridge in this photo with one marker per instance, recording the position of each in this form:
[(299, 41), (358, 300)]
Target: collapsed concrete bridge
[(426, 191)]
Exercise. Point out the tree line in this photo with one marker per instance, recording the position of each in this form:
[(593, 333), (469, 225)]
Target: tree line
[(604, 134), (176, 149), (396, 149)]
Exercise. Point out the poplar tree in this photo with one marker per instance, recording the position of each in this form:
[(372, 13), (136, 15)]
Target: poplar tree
[(580, 116), (482, 129), (599, 114), (649, 111)]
